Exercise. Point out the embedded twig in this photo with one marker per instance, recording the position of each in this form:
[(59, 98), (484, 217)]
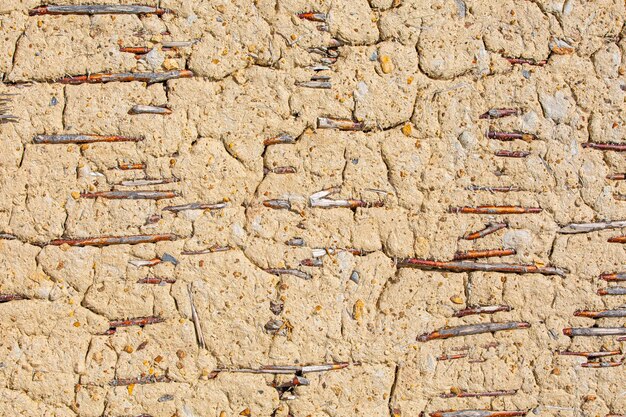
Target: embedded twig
[(312, 16), (131, 195), (139, 321), (601, 364), (600, 314), (156, 281), (465, 394), (590, 355), (150, 379), (144, 77), (489, 253), (511, 154), (499, 113), (504, 189), (319, 252), (280, 139), (280, 170), (196, 206), (5, 298), (142, 109), (519, 61), (495, 210), (617, 239), (212, 249), (482, 310), (81, 139), (339, 124), (5, 117), (125, 166), (606, 146), (7, 236), (277, 204), (166, 257), (617, 177), (319, 200), (508, 136), (296, 241), (467, 266), (296, 381), (592, 227), (115, 240), (477, 413), (452, 357), (194, 317), (472, 329), (594, 331), (489, 229), (145, 182), (314, 262), (315, 84), (612, 291), (288, 271), (287, 369), (97, 9), (621, 276)]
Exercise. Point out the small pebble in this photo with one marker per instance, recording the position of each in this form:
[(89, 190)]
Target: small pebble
[(354, 277)]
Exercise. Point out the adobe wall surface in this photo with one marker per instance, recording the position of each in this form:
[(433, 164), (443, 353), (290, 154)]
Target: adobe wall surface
[(413, 77)]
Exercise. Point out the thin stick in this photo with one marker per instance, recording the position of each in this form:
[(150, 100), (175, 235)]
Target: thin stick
[(503, 189), (5, 298), (472, 329), (617, 239), (621, 276), (277, 204), (594, 331), (156, 281), (287, 369), (495, 210), (81, 139), (115, 240), (482, 310), (136, 49), (142, 109), (196, 206), (600, 354), (464, 394), (612, 291), (508, 136), (97, 9), (280, 139), (138, 321), (146, 182), (144, 77), (280, 170), (467, 266), (477, 413), (315, 84), (601, 364), (519, 61), (125, 166), (452, 357), (489, 229), (131, 195), (150, 379), (605, 146), (488, 253), (617, 177), (339, 124), (194, 317), (212, 249), (600, 314), (592, 227), (499, 113), (511, 154), (288, 271), (7, 236)]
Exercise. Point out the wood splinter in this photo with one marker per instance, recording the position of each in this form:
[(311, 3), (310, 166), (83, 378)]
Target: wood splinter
[(82, 139), (143, 109), (591, 355), (621, 276), (477, 413), (472, 329), (594, 331), (96, 9), (468, 266), (489, 229), (131, 195), (495, 210), (144, 77), (482, 310), (195, 319), (465, 394), (488, 253), (289, 271), (115, 240)]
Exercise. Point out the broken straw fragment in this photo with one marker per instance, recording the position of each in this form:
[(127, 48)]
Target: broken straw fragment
[(81, 139), (125, 166), (131, 195), (605, 146), (96, 9), (507, 136), (613, 277), (115, 240), (617, 239), (495, 210), (472, 329), (592, 227), (465, 394), (489, 229), (477, 413), (195, 319), (511, 154), (288, 271), (196, 206), (499, 113), (145, 77), (489, 253), (612, 291), (468, 266), (519, 61), (594, 331), (143, 109), (482, 310), (5, 298), (339, 124), (600, 354), (150, 379), (139, 321), (277, 204), (312, 16), (280, 139)]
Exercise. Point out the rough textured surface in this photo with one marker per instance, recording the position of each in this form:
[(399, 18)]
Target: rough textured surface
[(417, 74)]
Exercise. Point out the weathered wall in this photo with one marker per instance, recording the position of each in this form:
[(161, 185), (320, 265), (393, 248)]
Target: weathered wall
[(418, 74)]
